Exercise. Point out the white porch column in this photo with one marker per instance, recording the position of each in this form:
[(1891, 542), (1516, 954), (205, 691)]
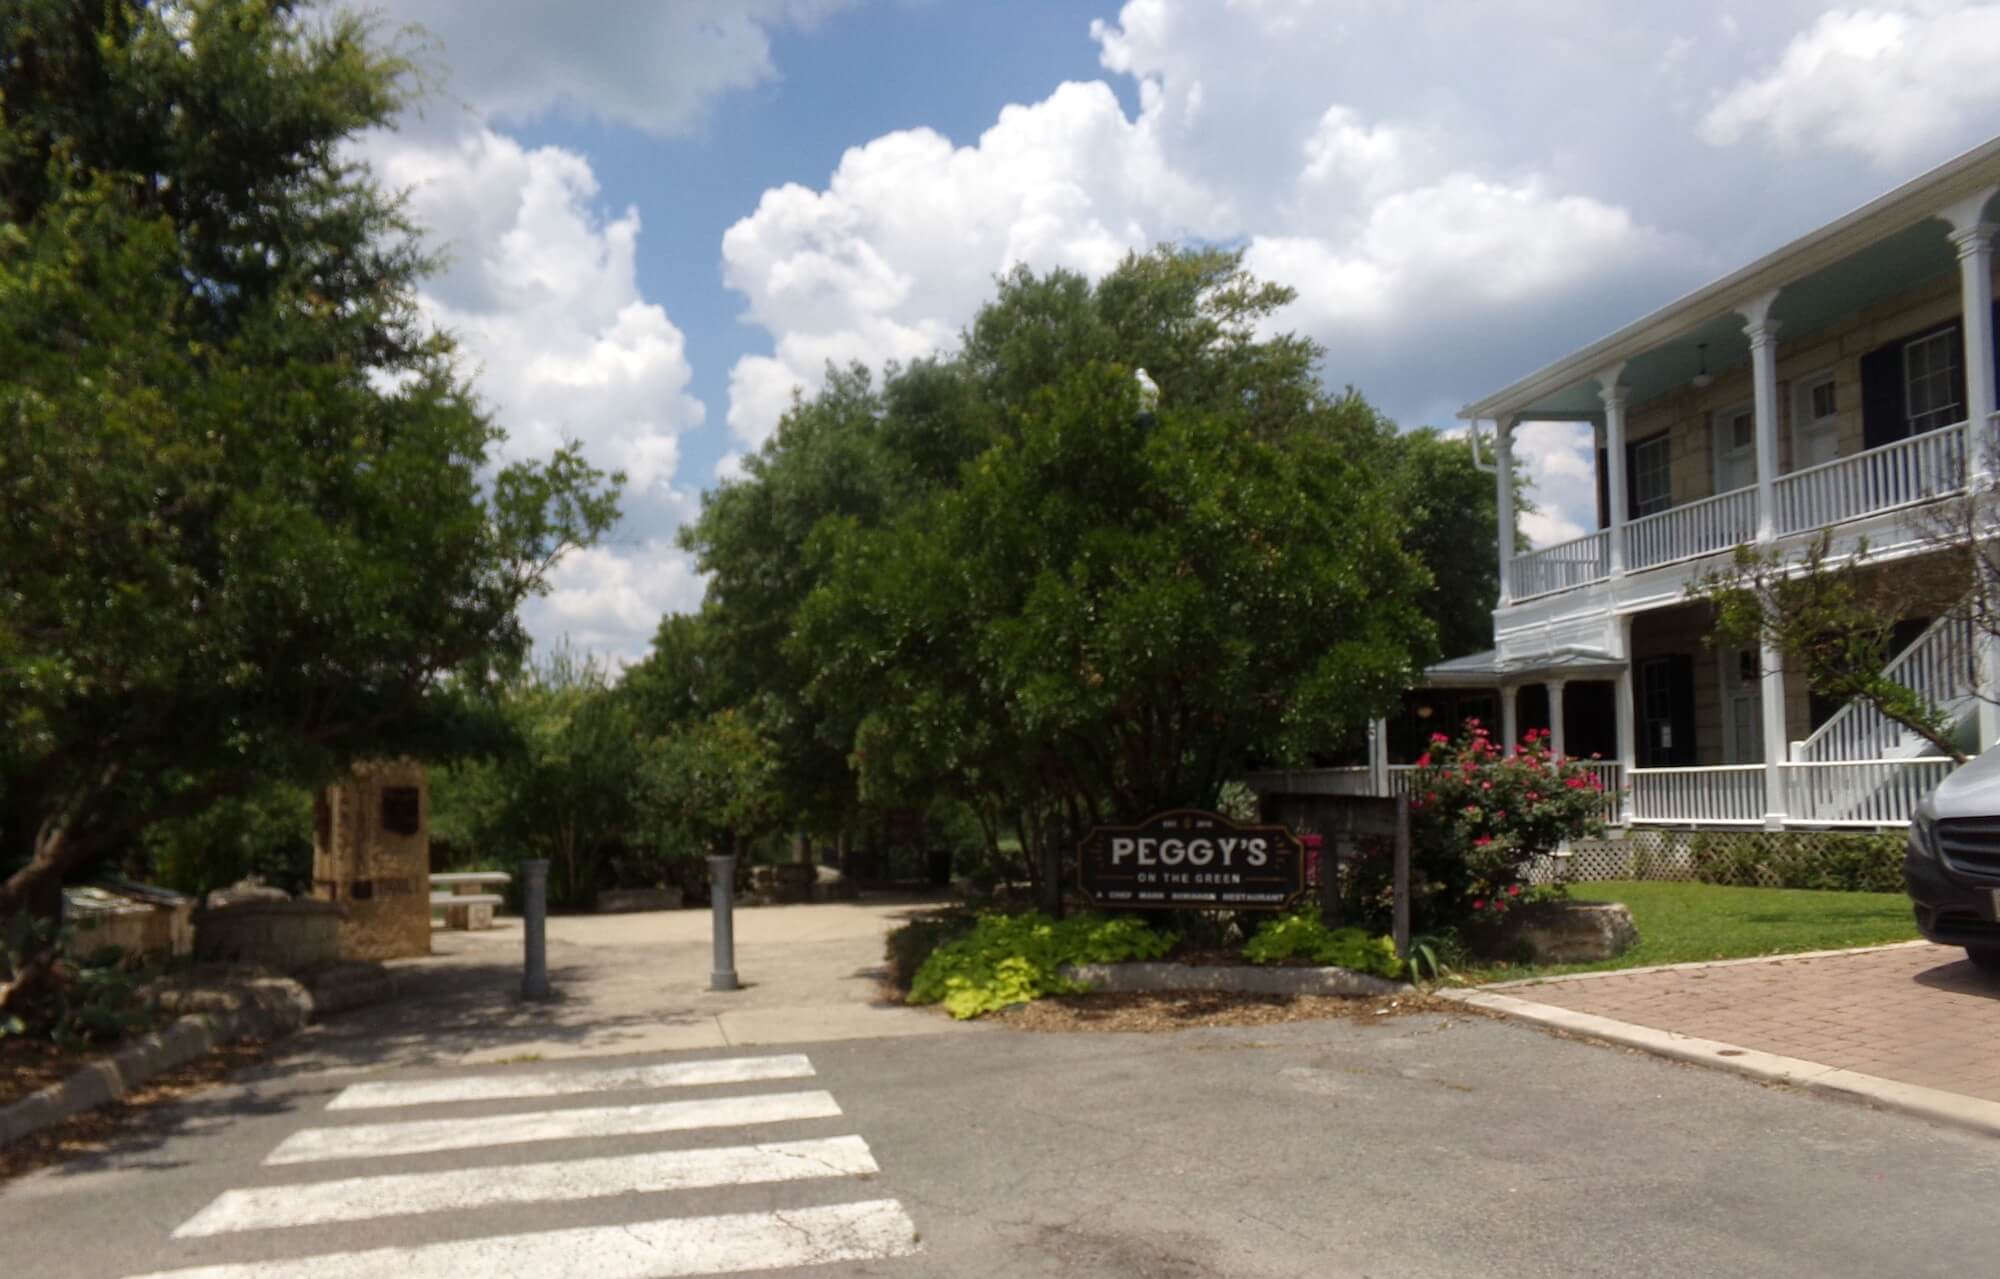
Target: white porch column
[(1972, 235), (1503, 479), (1771, 703), (1378, 757), (1555, 687), (1510, 722), (1763, 334), (1613, 395), (1625, 713)]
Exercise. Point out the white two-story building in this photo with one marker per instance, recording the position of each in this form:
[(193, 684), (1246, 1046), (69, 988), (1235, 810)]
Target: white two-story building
[(1845, 382)]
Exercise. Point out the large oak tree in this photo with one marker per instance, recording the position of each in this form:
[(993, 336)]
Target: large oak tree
[(252, 520)]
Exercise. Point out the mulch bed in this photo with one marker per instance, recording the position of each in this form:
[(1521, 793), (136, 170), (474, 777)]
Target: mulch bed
[(30, 1065), (136, 1114), (1181, 1010)]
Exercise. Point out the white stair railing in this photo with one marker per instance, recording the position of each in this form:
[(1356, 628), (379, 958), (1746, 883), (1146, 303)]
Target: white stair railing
[(1940, 666)]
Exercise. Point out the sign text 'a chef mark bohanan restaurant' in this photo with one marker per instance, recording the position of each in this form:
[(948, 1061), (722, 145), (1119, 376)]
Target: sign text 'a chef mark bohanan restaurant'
[(1192, 860)]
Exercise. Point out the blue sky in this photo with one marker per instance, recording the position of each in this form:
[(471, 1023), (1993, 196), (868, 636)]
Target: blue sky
[(663, 218), (950, 65)]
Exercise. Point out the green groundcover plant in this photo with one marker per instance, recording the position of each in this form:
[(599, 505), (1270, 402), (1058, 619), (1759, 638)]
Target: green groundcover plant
[(1015, 959), (1304, 936)]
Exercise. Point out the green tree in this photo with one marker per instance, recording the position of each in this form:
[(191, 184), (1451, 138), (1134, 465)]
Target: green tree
[(712, 781), (253, 525), (1450, 516), (1122, 616)]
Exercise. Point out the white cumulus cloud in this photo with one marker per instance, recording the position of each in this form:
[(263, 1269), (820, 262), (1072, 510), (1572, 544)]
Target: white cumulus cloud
[(1888, 81), (653, 66), (540, 291)]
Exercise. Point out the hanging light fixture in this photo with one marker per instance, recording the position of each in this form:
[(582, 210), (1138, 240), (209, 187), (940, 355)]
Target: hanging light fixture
[(1702, 378)]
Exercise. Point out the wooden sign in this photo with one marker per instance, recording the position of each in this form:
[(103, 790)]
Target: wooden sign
[(1188, 859)]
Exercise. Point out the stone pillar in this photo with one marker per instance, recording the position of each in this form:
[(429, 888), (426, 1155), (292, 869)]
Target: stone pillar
[(1510, 722), (1762, 331), (1613, 395), (1503, 479), (372, 856)]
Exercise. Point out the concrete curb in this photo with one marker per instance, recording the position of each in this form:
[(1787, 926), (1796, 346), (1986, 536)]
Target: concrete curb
[(265, 1008), (1237, 979), (1956, 1109), (1693, 965)]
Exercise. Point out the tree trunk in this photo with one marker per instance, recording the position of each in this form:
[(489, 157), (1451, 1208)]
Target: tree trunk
[(36, 888)]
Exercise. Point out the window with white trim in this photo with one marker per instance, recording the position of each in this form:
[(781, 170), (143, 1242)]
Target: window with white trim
[(1930, 372), (1735, 448), (1652, 477)]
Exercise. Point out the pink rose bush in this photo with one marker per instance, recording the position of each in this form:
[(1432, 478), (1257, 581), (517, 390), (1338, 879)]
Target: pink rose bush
[(1479, 816)]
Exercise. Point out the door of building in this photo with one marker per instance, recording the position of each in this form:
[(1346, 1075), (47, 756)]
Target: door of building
[(1666, 711), (1742, 706)]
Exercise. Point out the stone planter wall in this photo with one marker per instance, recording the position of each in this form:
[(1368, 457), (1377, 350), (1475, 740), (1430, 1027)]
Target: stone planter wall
[(289, 935)]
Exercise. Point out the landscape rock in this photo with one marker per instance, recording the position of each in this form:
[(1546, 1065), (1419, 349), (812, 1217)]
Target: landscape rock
[(1566, 933)]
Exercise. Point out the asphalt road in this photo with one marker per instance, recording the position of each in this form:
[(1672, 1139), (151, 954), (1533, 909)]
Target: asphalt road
[(1415, 1146)]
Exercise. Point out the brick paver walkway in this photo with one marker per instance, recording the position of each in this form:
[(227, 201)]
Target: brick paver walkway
[(1917, 1014)]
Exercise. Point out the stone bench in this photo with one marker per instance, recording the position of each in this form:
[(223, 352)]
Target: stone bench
[(463, 897)]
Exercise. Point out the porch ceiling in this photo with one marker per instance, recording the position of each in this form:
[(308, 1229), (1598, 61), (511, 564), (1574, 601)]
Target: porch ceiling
[(1868, 256)]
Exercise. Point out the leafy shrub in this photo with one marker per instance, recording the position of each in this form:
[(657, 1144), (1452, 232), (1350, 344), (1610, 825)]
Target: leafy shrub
[(909, 946), (1014, 959), (1479, 816), (95, 1000), (1302, 935), (1828, 861)]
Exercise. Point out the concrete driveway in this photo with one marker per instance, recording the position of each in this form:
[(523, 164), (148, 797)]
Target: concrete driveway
[(1914, 1014), (632, 983)]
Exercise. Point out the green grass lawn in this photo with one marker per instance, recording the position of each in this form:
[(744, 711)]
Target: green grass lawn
[(1681, 923)]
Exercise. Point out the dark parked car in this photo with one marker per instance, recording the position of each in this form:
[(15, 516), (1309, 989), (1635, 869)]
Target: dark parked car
[(1952, 868)]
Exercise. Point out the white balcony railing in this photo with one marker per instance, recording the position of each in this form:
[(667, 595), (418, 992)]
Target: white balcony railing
[(1569, 564), (1865, 792), (1728, 795), (1918, 469), (1698, 528)]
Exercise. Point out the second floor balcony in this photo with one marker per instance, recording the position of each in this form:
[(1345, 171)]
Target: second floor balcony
[(1892, 477)]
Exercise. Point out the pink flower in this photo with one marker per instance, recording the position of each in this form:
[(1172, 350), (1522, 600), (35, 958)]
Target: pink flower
[(1482, 841), (1424, 760), (1439, 739), (1513, 890), (1486, 786), (1479, 903)]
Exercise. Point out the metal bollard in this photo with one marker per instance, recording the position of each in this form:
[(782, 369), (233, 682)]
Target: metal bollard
[(534, 928), (722, 899)]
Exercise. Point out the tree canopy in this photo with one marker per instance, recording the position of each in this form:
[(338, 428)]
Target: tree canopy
[(1004, 576), (254, 521)]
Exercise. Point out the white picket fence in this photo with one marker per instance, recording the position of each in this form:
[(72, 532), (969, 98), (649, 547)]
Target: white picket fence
[(1917, 469)]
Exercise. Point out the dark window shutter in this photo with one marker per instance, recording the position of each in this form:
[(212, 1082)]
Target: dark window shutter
[(1680, 670), (1604, 493), (1882, 413)]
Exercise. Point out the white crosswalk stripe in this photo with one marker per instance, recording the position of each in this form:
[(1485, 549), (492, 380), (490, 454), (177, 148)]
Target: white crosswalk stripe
[(662, 1245), (878, 1228), (680, 1074), (420, 1136), (407, 1194)]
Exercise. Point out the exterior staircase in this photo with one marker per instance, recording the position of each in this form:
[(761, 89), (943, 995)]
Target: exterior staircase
[(1941, 665)]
